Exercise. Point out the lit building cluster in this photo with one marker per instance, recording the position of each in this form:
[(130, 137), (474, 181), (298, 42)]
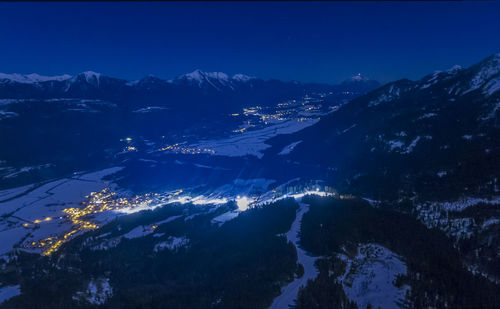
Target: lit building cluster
[(178, 148), (251, 110), (37, 221), (259, 116), (129, 145), (276, 116), (310, 108), (240, 130), (97, 202)]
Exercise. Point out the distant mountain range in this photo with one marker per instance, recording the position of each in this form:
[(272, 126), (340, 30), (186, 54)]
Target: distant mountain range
[(95, 85)]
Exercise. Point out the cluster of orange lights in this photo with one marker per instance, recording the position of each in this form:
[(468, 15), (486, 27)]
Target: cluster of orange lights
[(97, 202), (177, 148)]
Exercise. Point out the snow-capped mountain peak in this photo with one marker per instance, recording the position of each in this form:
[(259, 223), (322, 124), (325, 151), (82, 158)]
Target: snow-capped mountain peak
[(242, 77), (200, 76), (358, 77), (32, 78), (486, 71), (203, 79), (90, 76), (218, 75), (455, 68)]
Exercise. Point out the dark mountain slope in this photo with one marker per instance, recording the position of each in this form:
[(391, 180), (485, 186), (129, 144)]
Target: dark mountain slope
[(436, 137), (429, 148)]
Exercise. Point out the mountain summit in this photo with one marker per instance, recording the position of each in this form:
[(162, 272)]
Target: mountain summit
[(31, 78), (358, 78)]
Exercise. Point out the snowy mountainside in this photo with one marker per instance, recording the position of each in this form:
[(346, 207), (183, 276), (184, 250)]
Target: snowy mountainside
[(429, 148)]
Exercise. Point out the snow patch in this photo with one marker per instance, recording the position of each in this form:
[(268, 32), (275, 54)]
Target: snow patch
[(487, 71), (411, 146), (7, 292), (169, 219), (492, 221), (97, 293), (225, 217), (441, 174), (463, 203), (436, 215), (172, 244), (289, 148), (5, 115), (370, 277), (398, 145), (381, 99), (427, 115), (149, 109), (139, 231), (492, 86), (395, 144), (492, 113)]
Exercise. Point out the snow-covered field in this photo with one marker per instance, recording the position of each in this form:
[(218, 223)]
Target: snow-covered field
[(370, 276), (253, 142), (11, 193), (8, 292), (21, 208)]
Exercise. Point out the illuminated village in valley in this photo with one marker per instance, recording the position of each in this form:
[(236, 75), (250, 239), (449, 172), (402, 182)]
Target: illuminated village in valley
[(81, 219)]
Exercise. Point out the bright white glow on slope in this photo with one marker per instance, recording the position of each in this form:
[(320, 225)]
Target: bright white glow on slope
[(301, 195), (185, 199), (201, 200), (243, 202)]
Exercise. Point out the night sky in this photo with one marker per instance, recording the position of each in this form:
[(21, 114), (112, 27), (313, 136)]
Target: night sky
[(306, 41)]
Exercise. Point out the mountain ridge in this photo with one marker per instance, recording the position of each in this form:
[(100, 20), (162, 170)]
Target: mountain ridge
[(197, 76)]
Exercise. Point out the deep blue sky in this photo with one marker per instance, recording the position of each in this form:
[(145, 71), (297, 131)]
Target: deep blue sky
[(322, 41)]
